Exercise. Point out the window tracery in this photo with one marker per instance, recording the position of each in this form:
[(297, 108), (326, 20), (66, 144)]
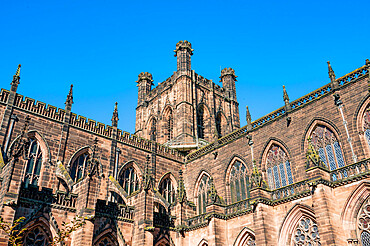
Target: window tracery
[(106, 242), (366, 124), (239, 182), (78, 168), (36, 237), (203, 194), (327, 145), (129, 180), (167, 190), (279, 172), (306, 233), (34, 163), (364, 225)]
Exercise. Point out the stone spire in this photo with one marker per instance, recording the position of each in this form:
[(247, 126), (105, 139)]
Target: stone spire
[(115, 116), (69, 100), (286, 100), (249, 120), (332, 77), (183, 52), (16, 78)]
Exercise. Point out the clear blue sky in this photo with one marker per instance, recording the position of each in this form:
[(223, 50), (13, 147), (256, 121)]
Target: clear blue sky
[(101, 47)]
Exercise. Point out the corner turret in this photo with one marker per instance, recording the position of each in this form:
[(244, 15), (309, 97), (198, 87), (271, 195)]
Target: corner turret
[(183, 53)]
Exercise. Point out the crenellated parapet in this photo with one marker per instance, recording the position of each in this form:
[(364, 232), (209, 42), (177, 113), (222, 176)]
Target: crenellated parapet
[(145, 76), (228, 71), (183, 45), (183, 52)]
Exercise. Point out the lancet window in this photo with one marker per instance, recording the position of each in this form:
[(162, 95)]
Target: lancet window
[(169, 126), (306, 233), (366, 124), (239, 182), (34, 163), (167, 191), (129, 180), (36, 236), (325, 142), (218, 125), (364, 224), (79, 166), (279, 172), (202, 193), (200, 122)]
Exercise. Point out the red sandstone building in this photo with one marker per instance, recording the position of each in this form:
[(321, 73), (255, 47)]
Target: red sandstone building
[(190, 175)]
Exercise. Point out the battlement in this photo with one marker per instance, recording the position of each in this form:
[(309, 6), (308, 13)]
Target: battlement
[(32, 106), (228, 71), (295, 105), (181, 45)]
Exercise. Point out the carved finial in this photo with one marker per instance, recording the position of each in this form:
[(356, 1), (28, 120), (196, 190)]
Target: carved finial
[(18, 72), (115, 115), (313, 156), (213, 197), (332, 76), (256, 178), (286, 100), (249, 120), (21, 143), (181, 45), (69, 100), (16, 78), (181, 192)]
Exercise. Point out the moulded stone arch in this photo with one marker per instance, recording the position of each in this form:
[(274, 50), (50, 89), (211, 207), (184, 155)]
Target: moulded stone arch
[(312, 125), (244, 235), (158, 198), (197, 182), (358, 122), (352, 207), (231, 162), (162, 242), (80, 151), (109, 234), (166, 109), (128, 164), (43, 144), (207, 121), (149, 121), (171, 177), (291, 220), (271, 141), (224, 126), (167, 134), (47, 228), (203, 242)]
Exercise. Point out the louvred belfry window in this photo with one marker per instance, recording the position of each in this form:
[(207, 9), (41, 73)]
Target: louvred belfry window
[(169, 126), (325, 142), (129, 180), (239, 182), (218, 124), (202, 194), (78, 167), (34, 163), (279, 172), (167, 191), (200, 121)]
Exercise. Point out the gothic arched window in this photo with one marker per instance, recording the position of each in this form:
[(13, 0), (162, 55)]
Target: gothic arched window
[(129, 180), (239, 182), (34, 163), (364, 224), (167, 191), (203, 193), (279, 171), (306, 233), (169, 126), (325, 142), (200, 122), (36, 236), (366, 125), (218, 124), (78, 167)]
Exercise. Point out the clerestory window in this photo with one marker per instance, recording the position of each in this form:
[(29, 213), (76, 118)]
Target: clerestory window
[(78, 167), (129, 180), (34, 163), (279, 173), (239, 182), (167, 190)]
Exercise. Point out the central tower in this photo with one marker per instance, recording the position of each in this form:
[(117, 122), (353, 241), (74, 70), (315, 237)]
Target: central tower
[(186, 111)]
